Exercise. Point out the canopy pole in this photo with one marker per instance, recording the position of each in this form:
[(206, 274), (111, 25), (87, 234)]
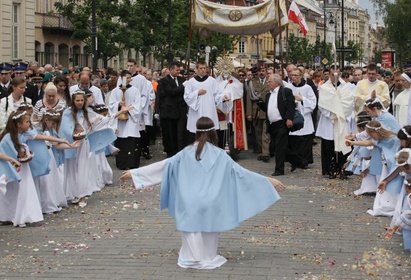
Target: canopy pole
[(280, 41), (190, 37)]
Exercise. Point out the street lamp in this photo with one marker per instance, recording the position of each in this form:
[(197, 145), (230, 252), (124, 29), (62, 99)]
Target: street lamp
[(361, 53)]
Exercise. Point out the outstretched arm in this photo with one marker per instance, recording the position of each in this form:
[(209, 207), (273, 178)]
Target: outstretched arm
[(276, 184), (358, 143), (145, 176)]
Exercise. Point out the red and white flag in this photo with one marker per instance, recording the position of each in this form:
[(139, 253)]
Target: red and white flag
[(295, 15)]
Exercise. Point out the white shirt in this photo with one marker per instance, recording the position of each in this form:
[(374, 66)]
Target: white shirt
[(273, 114)]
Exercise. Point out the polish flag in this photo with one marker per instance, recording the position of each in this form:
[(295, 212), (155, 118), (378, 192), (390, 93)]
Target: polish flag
[(295, 15)]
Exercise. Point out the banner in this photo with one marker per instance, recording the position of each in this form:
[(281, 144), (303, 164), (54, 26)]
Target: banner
[(235, 20), (387, 59), (295, 15)]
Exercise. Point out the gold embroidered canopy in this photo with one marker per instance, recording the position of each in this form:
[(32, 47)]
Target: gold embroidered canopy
[(235, 20)]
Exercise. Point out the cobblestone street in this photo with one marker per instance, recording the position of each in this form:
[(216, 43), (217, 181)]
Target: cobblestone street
[(318, 230)]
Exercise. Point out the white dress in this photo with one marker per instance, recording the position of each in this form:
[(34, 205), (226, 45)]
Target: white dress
[(50, 188), (384, 203), (369, 183), (199, 250), (104, 171), (79, 178), (21, 203)]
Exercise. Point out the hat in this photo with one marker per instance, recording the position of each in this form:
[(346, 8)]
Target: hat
[(37, 77), (20, 67), (378, 64), (381, 72), (65, 71), (78, 69), (387, 73), (47, 77), (5, 67)]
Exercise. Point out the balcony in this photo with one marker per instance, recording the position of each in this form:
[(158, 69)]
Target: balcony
[(57, 24)]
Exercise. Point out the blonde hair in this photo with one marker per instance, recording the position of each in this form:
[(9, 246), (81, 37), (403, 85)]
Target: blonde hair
[(50, 87), (375, 126)]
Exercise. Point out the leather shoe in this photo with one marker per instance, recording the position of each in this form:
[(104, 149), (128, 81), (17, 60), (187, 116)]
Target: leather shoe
[(293, 167), (260, 158), (266, 158), (277, 173)]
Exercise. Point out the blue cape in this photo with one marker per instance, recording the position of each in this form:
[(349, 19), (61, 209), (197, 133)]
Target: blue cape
[(214, 194)]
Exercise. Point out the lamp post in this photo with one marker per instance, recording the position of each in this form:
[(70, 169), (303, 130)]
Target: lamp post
[(169, 57), (94, 36), (335, 37), (342, 33)]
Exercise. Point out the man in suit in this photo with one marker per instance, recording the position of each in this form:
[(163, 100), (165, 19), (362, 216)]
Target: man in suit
[(32, 91), (5, 79), (280, 108), (173, 109), (258, 91)]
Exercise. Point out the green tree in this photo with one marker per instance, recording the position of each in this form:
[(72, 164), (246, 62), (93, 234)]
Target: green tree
[(300, 50), (79, 13), (397, 26)]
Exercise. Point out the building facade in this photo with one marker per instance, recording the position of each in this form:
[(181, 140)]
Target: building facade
[(18, 32)]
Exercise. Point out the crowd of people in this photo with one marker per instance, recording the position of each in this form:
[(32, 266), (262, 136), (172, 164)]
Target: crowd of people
[(54, 122)]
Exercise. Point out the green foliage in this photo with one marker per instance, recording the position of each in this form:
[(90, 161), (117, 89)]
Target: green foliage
[(141, 25), (397, 26), (300, 51), (79, 12)]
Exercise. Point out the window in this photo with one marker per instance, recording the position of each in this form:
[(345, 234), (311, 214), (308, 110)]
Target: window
[(241, 47), (46, 6), (15, 31)]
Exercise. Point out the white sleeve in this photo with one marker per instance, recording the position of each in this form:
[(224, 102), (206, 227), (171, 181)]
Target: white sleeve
[(148, 175)]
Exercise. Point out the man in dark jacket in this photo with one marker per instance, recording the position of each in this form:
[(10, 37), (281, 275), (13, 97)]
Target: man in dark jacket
[(173, 110), (280, 108)]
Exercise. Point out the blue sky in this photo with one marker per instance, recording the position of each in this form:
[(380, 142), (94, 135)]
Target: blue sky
[(367, 4)]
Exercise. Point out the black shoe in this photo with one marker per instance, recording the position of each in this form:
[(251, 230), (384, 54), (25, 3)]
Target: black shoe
[(293, 167), (343, 176), (260, 158), (331, 176), (265, 158), (277, 173), (348, 173)]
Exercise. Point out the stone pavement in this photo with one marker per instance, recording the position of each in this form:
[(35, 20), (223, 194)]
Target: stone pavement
[(318, 230)]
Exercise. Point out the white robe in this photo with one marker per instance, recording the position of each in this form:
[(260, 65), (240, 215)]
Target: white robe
[(202, 105), (148, 118), (130, 127), (364, 90), (400, 106), (305, 107), (335, 106)]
